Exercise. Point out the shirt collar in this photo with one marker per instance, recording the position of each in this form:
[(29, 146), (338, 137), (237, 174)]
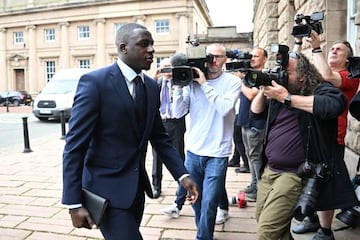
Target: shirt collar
[(128, 72)]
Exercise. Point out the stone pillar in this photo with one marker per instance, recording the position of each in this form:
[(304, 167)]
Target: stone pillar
[(64, 54), (140, 19), (31, 82), (100, 44), (183, 30), (3, 73)]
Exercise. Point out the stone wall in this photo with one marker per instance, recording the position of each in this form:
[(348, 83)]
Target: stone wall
[(273, 22)]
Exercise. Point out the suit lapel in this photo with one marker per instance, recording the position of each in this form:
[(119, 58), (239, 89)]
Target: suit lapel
[(125, 98)]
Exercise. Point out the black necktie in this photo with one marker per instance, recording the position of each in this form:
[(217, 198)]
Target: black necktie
[(140, 102)]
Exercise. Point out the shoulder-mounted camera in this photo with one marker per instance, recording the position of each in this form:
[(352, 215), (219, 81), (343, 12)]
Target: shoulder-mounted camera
[(182, 71)]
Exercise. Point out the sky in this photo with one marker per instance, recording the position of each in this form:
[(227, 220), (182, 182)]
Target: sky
[(237, 13)]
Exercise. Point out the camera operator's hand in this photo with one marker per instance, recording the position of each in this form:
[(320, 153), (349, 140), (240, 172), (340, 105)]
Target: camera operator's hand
[(201, 79), (238, 74), (314, 39), (157, 74), (276, 91)]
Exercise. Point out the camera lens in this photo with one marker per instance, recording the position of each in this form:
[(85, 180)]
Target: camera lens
[(307, 201)]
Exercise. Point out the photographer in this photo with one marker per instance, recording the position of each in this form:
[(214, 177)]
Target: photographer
[(252, 129), (334, 71), (209, 101), (175, 127), (301, 126)]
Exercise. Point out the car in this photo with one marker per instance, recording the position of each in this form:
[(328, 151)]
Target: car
[(15, 97), (57, 97)]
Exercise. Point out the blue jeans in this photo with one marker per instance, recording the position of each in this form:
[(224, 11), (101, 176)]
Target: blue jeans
[(209, 174)]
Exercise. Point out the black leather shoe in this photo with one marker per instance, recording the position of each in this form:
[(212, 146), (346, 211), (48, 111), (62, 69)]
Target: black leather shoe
[(234, 163), (306, 226), (156, 193), (244, 169)]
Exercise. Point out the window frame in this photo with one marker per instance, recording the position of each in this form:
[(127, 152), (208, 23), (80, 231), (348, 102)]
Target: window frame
[(83, 32), (50, 34), (49, 70), (17, 38), (84, 63), (162, 26)]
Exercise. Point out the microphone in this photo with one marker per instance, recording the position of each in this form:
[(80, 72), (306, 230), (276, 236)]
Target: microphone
[(179, 59)]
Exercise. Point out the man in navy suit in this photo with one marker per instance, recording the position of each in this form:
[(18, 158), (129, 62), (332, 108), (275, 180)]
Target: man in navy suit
[(107, 140)]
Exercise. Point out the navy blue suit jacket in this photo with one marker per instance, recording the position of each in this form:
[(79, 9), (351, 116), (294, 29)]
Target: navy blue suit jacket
[(104, 150)]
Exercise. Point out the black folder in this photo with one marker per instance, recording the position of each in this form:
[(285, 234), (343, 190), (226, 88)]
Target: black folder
[(95, 204)]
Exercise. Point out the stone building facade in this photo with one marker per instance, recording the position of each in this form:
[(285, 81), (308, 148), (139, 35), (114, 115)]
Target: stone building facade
[(38, 37), (274, 20)]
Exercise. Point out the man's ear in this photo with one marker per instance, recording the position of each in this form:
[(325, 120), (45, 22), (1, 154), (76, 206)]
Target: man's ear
[(122, 48)]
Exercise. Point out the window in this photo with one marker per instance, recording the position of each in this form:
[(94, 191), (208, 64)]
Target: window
[(84, 32), (84, 63), (162, 26), (18, 37), (49, 35), (49, 70)]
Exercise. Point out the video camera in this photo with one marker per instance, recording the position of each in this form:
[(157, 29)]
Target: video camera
[(307, 23), (182, 71), (257, 78), (240, 60), (353, 66)]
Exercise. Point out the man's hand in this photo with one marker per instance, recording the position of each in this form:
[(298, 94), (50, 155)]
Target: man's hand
[(201, 79), (157, 74), (276, 91), (80, 217), (191, 188), (314, 39)]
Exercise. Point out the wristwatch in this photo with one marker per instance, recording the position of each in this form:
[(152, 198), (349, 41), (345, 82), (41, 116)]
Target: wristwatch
[(287, 101)]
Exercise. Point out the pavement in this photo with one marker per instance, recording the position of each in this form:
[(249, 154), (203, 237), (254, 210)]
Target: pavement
[(30, 200)]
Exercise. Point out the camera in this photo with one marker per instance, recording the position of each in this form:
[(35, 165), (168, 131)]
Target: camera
[(182, 71), (307, 23), (353, 66), (257, 78), (240, 60), (166, 70), (351, 216), (315, 175)]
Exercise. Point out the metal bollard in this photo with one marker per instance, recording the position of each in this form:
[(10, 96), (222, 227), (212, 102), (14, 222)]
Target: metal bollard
[(7, 105), (26, 136), (62, 120)]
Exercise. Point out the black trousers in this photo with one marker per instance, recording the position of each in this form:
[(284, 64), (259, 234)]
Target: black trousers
[(239, 145), (176, 129)]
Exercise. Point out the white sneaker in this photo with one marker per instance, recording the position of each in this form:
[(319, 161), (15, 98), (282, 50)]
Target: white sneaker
[(221, 216), (172, 211)]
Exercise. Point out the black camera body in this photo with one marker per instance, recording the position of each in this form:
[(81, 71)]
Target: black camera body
[(257, 78), (353, 66), (240, 61), (183, 72), (307, 23), (315, 175)]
